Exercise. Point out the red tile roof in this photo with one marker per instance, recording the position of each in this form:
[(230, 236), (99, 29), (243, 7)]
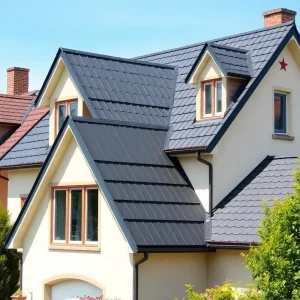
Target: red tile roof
[(34, 116), (13, 108)]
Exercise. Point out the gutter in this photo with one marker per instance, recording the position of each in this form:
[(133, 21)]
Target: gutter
[(230, 245), (136, 275), (20, 258)]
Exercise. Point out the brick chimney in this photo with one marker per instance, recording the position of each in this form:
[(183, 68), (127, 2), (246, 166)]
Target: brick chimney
[(17, 81), (278, 16)]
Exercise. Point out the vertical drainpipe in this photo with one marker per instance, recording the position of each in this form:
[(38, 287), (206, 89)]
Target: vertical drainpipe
[(207, 227), (136, 275)]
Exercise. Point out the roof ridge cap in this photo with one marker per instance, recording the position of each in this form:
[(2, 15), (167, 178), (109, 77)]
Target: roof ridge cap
[(214, 40), (228, 47), (16, 96), (116, 58)]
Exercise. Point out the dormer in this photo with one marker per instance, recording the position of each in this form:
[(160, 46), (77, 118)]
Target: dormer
[(60, 92), (218, 73)]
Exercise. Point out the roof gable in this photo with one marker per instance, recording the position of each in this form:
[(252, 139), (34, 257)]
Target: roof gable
[(140, 183), (234, 62), (119, 89)]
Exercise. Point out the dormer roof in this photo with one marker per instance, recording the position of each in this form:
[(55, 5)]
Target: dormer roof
[(234, 62)]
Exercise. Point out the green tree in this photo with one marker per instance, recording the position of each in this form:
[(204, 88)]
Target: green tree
[(275, 263), (9, 265)]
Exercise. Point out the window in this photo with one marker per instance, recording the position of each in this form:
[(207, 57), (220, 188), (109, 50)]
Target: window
[(280, 113), (212, 98), (63, 109), (74, 215), (23, 200)]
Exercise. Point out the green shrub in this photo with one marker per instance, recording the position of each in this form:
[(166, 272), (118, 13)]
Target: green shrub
[(275, 263), (9, 265), (225, 292)]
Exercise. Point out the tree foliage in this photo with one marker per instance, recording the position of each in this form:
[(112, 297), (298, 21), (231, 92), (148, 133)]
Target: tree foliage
[(275, 263), (227, 291), (9, 265)]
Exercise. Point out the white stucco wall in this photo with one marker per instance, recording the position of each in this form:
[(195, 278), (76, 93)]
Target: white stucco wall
[(249, 138), (227, 265), (198, 175), (20, 183), (163, 276), (111, 267), (64, 90)]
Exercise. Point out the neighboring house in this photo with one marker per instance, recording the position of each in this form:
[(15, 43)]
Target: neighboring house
[(14, 108), (155, 168)]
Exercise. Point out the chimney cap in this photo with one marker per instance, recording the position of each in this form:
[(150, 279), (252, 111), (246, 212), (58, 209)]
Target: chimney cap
[(278, 10), (17, 69)]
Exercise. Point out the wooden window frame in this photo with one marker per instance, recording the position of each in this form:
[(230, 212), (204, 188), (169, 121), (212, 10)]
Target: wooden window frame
[(67, 103), (67, 242), (213, 114)]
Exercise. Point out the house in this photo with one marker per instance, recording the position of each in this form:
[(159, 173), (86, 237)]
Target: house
[(15, 106), (154, 169)]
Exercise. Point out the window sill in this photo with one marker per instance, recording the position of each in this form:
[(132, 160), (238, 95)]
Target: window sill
[(282, 137), (87, 248)]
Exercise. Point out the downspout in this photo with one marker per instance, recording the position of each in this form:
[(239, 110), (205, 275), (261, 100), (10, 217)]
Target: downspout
[(20, 258), (136, 275), (207, 227)]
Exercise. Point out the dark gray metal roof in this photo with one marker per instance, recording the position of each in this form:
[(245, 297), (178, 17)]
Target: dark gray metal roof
[(185, 132), (122, 89), (31, 149), (158, 205), (238, 215)]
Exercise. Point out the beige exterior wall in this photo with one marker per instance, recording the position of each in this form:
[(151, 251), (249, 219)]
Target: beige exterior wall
[(20, 183), (111, 267), (227, 265), (163, 276), (198, 176), (249, 138), (64, 90)]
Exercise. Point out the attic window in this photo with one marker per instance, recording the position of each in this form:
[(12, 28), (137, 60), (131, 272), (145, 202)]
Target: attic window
[(280, 113), (64, 109), (212, 98)]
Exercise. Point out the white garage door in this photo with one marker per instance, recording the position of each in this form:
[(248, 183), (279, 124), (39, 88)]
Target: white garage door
[(75, 290)]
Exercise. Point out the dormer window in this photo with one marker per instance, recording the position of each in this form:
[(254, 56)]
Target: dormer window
[(63, 109), (212, 98)]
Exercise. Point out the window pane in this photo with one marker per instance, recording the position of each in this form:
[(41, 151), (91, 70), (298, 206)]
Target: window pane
[(76, 215), (60, 216), (280, 113), (92, 216), (219, 97), (61, 114), (208, 98), (73, 109)]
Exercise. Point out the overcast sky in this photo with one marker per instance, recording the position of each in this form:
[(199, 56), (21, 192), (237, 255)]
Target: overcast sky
[(32, 30)]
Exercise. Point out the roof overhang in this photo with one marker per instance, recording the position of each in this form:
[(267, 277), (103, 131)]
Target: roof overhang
[(201, 62)]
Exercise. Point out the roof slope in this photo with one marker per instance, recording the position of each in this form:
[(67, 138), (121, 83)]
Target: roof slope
[(32, 149), (34, 116), (13, 108), (158, 206), (121, 89), (238, 215), (186, 133)]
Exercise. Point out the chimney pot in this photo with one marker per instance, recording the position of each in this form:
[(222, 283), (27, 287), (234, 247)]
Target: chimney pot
[(278, 16), (17, 81)]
